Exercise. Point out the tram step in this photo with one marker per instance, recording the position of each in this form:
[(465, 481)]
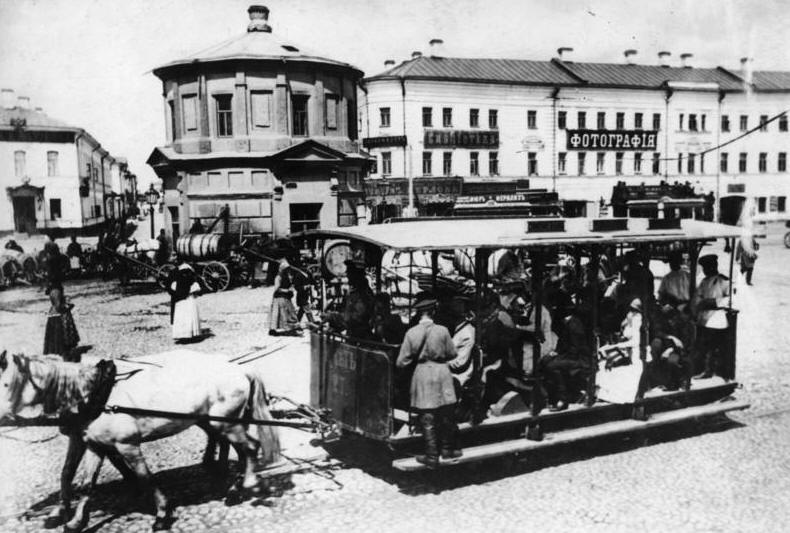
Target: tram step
[(487, 451)]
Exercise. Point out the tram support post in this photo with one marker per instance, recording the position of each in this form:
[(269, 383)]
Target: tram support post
[(592, 280), (481, 280), (534, 430), (434, 269)]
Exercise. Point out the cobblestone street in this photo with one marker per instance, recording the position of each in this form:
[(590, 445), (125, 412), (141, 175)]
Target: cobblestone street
[(724, 474)]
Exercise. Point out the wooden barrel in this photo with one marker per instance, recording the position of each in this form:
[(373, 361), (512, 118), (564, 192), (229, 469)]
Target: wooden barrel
[(203, 246)]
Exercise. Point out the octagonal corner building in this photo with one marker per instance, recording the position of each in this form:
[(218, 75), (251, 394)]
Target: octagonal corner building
[(265, 128)]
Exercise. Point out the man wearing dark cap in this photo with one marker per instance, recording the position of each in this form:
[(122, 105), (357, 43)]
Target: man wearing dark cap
[(707, 307), (432, 391)]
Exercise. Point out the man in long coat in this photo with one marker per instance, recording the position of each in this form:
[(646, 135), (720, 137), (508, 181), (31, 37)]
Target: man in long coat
[(432, 391)]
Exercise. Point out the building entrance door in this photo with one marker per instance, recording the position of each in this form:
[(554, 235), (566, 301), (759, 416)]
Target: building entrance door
[(25, 214), (730, 208)]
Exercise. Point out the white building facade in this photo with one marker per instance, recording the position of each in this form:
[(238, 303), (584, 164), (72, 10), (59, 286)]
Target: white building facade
[(581, 128)]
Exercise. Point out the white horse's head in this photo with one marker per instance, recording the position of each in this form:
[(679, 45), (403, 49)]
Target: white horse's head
[(16, 391)]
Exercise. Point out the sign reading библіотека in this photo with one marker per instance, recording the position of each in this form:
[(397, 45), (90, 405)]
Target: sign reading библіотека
[(461, 139), (612, 140)]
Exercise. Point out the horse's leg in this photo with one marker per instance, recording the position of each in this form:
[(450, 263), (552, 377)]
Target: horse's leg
[(120, 465), (134, 458), (247, 450), (93, 462), (74, 455)]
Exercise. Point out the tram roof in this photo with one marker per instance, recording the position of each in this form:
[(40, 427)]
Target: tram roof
[(449, 234)]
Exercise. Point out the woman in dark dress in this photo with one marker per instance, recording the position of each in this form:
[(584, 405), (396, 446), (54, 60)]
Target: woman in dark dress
[(60, 335)]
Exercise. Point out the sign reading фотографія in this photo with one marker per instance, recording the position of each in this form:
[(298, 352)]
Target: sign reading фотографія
[(612, 139)]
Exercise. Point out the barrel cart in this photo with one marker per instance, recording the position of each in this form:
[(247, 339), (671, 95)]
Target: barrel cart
[(215, 258)]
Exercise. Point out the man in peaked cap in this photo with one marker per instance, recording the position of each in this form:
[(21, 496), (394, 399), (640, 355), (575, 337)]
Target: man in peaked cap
[(432, 390), (707, 306)]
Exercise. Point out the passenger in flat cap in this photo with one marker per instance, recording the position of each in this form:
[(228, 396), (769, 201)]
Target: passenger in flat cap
[(432, 390), (708, 307)]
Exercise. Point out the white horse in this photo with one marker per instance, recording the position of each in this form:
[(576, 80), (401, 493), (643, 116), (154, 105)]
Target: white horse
[(190, 382)]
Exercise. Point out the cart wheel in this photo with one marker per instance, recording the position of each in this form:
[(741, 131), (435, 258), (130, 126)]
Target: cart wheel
[(163, 274), (216, 276), (787, 239)]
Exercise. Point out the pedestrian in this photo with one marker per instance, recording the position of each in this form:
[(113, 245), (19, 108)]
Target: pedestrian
[(746, 255), (282, 314), (60, 334), (162, 254), (184, 315), (707, 306), (74, 253), (432, 392)]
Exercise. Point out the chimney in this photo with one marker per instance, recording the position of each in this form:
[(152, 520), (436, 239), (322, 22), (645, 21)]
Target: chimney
[(389, 63), (416, 54), (685, 60), (8, 98), (629, 56), (23, 102), (259, 18), (437, 47), (564, 52), (746, 69), (663, 58)]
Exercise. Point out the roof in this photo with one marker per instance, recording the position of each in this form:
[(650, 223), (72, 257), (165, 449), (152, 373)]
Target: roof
[(33, 119), (511, 233), (566, 73)]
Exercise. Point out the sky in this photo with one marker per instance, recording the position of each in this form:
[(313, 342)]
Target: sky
[(89, 62)]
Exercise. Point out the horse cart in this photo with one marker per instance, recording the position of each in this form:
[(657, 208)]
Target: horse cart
[(19, 267), (357, 379), (136, 261)]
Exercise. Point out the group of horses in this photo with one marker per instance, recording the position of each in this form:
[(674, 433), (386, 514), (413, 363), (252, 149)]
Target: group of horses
[(192, 383)]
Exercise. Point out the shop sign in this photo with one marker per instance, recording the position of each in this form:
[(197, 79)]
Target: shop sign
[(381, 142), (491, 199), (614, 140), (736, 188), (461, 139)]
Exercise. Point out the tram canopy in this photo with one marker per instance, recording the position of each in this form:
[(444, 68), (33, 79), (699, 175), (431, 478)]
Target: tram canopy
[(450, 234)]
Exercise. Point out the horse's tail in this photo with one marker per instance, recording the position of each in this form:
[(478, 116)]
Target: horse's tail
[(258, 405)]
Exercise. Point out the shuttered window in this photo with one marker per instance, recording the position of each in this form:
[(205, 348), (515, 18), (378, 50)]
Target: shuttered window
[(261, 108)]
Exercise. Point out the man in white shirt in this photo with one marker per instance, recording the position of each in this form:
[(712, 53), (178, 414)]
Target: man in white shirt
[(708, 307), (674, 288)]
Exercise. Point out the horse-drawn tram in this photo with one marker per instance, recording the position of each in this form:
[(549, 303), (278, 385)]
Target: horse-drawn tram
[(558, 333)]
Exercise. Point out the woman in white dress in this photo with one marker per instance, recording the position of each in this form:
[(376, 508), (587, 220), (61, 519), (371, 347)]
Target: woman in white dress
[(185, 318)]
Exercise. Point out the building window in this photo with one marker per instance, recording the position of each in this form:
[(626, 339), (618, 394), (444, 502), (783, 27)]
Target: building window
[(19, 164), (189, 110), (773, 204), (599, 162), (562, 120), (427, 117), (702, 163), (763, 122), (427, 163), (581, 156), (618, 163), (725, 123), (299, 106), (681, 116), (52, 163), (561, 158), (96, 211), (54, 209), (305, 216), (581, 120), (761, 201), (638, 163), (703, 119), (474, 118), (447, 163), (261, 103), (637, 121), (447, 117), (742, 162), (386, 163), (532, 120), (493, 163), (601, 120), (474, 166), (692, 122), (783, 122), (331, 112), (781, 162), (656, 163), (619, 121), (493, 119), (224, 107), (532, 163), (744, 122), (656, 121), (723, 162), (171, 107), (680, 163), (762, 162), (781, 203), (384, 113), (692, 159)]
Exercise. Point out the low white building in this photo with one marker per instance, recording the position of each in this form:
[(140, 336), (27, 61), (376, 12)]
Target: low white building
[(580, 128), (56, 178)]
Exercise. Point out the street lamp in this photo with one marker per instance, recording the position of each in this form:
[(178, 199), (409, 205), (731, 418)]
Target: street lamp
[(151, 196)]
